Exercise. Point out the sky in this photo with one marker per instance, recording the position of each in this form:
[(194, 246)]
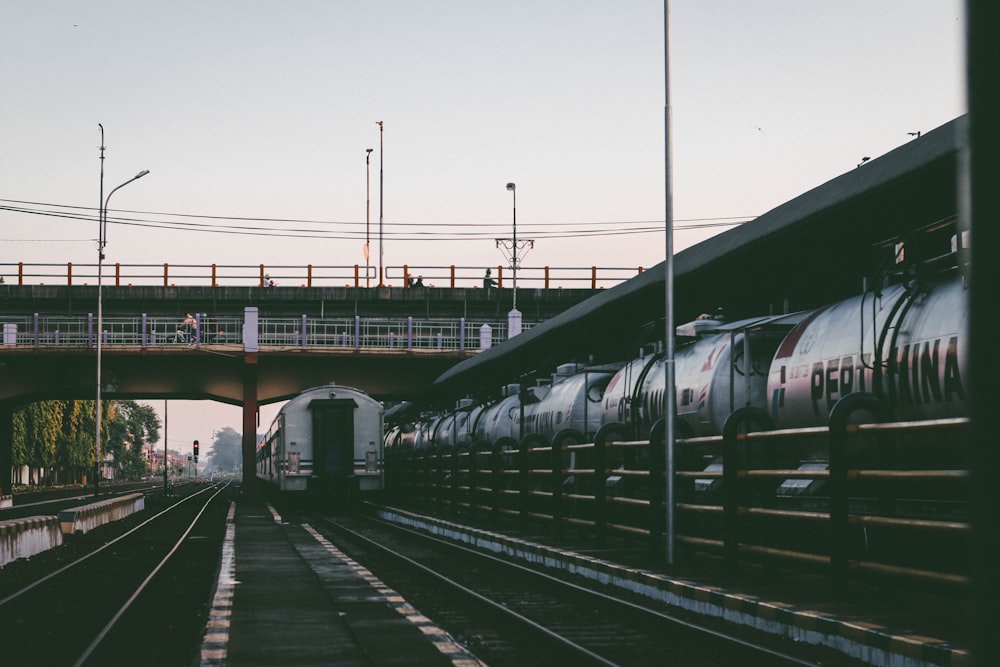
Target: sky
[(254, 117)]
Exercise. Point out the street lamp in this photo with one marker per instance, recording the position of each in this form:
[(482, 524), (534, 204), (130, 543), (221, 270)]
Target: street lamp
[(368, 215), (101, 242), (380, 182), (513, 190)]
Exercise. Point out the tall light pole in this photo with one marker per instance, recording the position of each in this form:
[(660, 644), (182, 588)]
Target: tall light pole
[(381, 130), (513, 190), (368, 215), (166, 485), (101, 242), (511, 248)]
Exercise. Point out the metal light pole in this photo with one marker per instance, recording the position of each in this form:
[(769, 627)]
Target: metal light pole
[(513, 190), (380, 189), (670, 394), (101, 242), (166, 485), (368, 215)]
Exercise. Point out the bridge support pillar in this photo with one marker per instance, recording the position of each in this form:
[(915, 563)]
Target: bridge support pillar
[(250, 424), (6, 447)]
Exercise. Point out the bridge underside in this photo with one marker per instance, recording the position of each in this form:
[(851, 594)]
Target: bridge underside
[(220, 373), (217, 373)]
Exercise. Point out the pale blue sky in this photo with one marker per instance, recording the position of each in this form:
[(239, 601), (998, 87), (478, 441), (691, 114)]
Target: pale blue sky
[(264, 109)]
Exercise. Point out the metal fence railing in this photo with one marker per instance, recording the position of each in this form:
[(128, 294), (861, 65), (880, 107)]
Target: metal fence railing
[(351, 276), (347, 332)]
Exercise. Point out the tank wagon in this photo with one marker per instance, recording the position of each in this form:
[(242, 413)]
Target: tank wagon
[(327, 442), (906, 343)]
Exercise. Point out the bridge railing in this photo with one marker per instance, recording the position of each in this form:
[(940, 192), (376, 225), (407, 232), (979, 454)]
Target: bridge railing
[(357, 332), (352, 276)]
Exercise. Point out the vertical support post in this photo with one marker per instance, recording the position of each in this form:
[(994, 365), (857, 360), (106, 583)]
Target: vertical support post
[(118, 274), (601, 489), (730, 498), (69, 273), (250, 487), (250, 330), (143, 332), (357, 332), (461, 334), (523, 482), (409, 332), (546, 277), (309, 276), (36, 329), (496, 458), (657, 490), (453, 276), (557, 477), (839, 528), (90, 329), (593, 277), (303, 336), (166, 274), (6, 447)]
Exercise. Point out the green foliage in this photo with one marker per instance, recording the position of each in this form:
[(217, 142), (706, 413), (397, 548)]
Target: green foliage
[(57, 437)]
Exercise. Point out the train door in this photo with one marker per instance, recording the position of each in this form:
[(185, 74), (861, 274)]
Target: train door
[(333, 448)]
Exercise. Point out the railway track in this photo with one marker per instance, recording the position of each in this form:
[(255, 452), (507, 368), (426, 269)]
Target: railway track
[(508, 614), (130, 593)]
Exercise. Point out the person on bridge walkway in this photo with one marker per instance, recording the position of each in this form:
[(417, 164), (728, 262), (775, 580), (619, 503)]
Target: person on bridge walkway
[(188, 329), (488, 281)]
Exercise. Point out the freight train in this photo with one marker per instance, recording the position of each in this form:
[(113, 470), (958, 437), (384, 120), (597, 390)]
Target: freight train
[(326, 443), (905, 343)]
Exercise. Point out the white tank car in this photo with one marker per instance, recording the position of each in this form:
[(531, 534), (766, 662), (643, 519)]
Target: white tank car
[(710, 373), (569, 410), (619, 405), (455, 428), (498, 420), (917, 337), (326, 440)]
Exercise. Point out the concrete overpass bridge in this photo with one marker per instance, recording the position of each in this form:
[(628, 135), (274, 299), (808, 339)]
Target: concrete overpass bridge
[(250, 345)]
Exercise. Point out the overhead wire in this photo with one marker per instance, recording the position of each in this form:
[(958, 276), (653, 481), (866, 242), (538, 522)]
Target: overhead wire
[(476, 231)]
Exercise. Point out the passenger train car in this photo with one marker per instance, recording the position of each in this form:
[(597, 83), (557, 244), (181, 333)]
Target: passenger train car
[(906, 343), (326, 443)]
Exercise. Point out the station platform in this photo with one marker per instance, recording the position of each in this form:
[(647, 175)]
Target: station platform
[(272, 608)]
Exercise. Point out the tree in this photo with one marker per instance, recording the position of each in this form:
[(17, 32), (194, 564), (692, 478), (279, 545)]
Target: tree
[(54, 440), (225, 454)]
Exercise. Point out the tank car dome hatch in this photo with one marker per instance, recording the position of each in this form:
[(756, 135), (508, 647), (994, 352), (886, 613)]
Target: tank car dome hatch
[(564, 371), (699, 327), (464, 403), (510, 390)]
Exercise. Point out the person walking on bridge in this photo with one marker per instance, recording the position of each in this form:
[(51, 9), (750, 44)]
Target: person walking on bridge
[(188, 329)]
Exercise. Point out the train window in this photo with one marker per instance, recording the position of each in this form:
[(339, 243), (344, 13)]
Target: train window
[(371, 461), (293, 462)]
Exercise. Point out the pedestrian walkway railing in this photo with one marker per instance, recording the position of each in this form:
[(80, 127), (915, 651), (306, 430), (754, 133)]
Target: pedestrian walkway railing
[(401, 333), (350, 276)]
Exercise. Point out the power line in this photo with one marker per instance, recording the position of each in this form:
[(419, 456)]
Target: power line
[(426, 231)]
